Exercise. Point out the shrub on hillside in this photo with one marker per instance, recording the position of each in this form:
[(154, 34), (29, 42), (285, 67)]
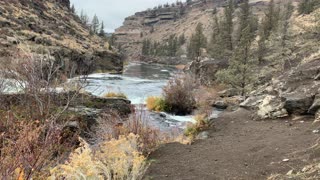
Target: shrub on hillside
[(179, 95)]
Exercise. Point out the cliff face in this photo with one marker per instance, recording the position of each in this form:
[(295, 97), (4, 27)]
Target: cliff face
[(157, 24), (51, 27)]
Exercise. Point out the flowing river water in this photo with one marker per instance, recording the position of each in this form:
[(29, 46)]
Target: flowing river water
[(138, 82)]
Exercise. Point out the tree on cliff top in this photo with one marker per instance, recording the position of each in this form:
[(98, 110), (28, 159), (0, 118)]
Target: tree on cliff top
[(95, 24), (102, 33)]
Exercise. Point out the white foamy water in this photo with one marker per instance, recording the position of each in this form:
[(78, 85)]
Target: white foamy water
[(138, 82)]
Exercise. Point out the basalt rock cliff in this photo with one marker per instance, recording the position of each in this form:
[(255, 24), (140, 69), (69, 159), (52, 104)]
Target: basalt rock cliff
[(51, 28)]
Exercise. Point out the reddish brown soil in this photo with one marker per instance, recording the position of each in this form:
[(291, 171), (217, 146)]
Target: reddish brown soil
[(238, 148)]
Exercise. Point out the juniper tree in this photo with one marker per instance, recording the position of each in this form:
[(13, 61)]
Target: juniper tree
[(216, 41), (146, 46), (307, 6), (182, 39), (84, 18), (239, 74), (269, 19), (197, 42), (287, 13), (73, 9), (102, 33), (261, 43), (172, 46), (227, 25), (95, 24)]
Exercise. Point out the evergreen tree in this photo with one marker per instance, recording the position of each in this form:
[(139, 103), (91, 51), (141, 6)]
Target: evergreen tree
[(288, 10), (307, 6), (102, 33), (182, 40), (261, 43), (269, 20), (240, 71), (84, 18), (216, 41), (73, 9), (172, 46), (227, 25), (95, 24), (146, 47), (197, 42), (112, 40)]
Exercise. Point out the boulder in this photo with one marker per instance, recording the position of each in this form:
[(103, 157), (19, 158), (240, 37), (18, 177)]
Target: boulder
[(271, 107), (228, 92), (298, 103), (220, 104), (252, 102), (203, 135), (315, 106)]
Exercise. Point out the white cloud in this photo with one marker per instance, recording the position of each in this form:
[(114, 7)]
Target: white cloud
[(113, 12)]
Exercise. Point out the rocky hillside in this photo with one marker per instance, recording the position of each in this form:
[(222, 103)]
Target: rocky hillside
[(159, 23), (51, 28)]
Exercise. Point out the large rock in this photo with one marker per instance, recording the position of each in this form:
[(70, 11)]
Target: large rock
[(120, 105), (229, 92), (252, 102), (295, 92), (315, 106), (298, 103), (271, 107)]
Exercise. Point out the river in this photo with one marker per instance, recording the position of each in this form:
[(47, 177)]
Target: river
[(138, 82)]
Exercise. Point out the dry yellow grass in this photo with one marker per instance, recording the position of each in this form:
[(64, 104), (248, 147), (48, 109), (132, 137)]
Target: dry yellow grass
[(113, 160), (115, 95)]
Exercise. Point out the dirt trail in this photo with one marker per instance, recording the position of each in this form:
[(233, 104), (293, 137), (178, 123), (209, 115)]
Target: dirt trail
[(238, 148)]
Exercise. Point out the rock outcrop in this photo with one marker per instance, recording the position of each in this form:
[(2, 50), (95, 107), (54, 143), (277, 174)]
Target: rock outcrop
[(51, 28), (294, 93)]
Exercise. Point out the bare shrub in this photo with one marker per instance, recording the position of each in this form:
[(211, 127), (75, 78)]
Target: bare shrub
[(179, 95), (37, 77), (30, 147), (111, 126), (30, 139)]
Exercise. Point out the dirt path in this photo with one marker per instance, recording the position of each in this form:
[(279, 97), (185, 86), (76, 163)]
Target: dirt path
[(238, 148)]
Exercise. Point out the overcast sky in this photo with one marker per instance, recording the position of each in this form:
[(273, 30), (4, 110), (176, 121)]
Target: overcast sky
[(113, 12)]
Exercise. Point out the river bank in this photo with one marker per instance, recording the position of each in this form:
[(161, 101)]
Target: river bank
[(238, 148)]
